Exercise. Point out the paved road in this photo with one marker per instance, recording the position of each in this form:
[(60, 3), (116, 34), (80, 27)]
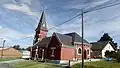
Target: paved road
[(6, 64)]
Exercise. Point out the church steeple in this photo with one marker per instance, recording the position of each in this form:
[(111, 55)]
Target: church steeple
[(42, 23), (41, 30)]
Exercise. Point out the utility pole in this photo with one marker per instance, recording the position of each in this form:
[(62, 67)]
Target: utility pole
[(2, 49), (82, 41)]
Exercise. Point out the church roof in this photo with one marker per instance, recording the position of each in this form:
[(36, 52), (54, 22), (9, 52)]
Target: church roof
[(76, 37), (44, 42), (65, 39)]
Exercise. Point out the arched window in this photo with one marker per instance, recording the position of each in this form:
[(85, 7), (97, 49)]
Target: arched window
[(79, 51)]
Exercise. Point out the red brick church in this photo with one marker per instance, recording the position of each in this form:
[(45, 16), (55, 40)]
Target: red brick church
[(58, 46)]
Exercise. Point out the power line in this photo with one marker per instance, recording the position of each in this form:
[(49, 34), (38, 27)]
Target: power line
[(23, 43), (17, 43), (84, 12), (114, 17), (92, 9), (105, 3), (22, 38), (77, 16), (102, 7), (16, 40), (65, 21)]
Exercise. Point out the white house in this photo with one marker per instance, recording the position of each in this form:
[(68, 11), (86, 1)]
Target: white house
[(99, 48)]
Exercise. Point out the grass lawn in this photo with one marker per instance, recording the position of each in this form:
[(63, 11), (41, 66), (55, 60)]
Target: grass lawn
[(32, 64), (99, 64), (7, 59)]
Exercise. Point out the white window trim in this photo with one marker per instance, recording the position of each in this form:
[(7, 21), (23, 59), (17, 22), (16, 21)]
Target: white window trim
[(53, 51), (53, 48), (77, 51)]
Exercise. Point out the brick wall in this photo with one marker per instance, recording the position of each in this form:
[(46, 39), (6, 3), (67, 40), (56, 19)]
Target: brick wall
[(67, 53), (79, 56)]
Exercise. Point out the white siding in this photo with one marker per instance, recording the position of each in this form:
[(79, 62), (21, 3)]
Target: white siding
[(107, 47)]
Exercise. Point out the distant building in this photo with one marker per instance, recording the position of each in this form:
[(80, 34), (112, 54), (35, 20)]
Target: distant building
[(10, 53), (25, 54), (58, 46), (98, 49)]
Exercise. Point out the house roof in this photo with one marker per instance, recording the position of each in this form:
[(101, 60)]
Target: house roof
[(76, 37), (113, 45), (98, 45)]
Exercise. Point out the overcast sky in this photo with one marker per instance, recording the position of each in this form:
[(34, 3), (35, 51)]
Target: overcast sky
[(19, 18)]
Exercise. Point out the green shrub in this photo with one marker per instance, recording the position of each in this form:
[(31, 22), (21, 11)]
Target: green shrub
[(110, 54), (118, 56), (113, 54)]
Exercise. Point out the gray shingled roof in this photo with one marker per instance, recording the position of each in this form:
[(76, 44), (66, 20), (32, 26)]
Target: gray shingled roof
[(76, 37), (113, 45), (44, 42), (98, 45), (66, 40)]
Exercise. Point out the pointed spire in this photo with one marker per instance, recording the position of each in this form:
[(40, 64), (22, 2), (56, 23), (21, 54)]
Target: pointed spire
[(42, 23)]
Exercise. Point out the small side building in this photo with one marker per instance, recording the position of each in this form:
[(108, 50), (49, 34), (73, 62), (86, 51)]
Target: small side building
[(10, 53)]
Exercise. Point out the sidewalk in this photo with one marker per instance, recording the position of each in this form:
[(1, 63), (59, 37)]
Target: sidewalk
[(79, 61), (11, 61)]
